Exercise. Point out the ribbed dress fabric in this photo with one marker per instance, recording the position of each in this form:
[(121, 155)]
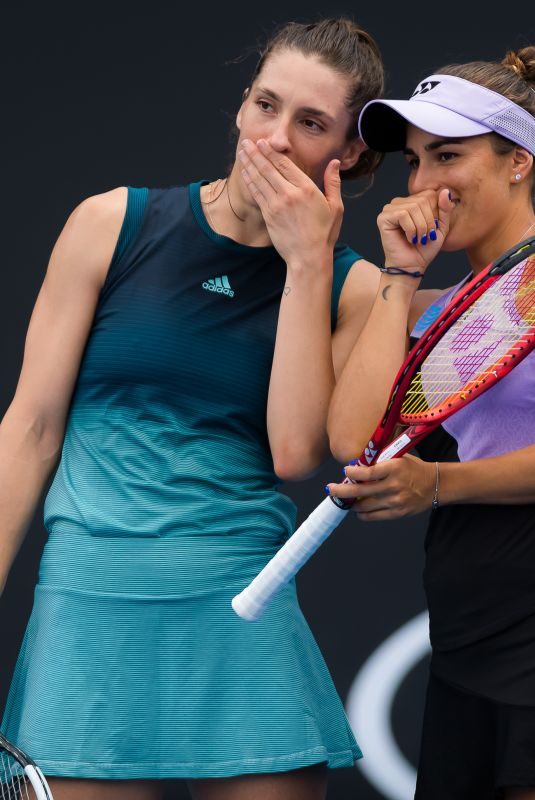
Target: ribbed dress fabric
[(164, 506)]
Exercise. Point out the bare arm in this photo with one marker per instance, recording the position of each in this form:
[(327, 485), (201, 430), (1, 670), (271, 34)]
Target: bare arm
[(507, 479), (32, 430), (302, 374), (406, 486), (361, 394), (380, 342), (308, 361)]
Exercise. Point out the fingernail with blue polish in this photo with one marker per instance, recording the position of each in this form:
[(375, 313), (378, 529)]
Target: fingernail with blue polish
[(345, 473), (433, 235), (449, 195), (327, 490), (354, 462), (423, 240), (415, 240)]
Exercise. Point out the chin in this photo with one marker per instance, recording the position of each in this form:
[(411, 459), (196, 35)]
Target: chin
[(451, 246), (455, 241)]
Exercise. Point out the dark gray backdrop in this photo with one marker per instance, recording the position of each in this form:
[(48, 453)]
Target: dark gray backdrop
[(143, 94)]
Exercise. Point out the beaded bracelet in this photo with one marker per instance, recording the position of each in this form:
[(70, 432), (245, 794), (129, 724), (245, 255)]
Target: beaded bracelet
[(400, 271)]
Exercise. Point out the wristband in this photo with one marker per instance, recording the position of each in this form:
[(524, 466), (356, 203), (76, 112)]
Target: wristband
[(400, 271), (434, 504)]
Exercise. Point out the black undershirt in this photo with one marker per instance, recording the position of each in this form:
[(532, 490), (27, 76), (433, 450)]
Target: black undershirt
[(479, 579)]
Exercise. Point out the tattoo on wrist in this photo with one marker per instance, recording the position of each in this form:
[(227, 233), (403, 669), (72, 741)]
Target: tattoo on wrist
[(287, 289), (385, 291)]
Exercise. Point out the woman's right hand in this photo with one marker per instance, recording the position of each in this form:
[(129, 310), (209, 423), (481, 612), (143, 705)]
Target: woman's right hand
[(410, 234)]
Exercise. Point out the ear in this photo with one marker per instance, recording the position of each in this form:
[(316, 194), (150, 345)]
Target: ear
[(239, 114), (522, 164), (352, 153)]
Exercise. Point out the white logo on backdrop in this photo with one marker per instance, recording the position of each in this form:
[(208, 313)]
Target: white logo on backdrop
[(369, 707)]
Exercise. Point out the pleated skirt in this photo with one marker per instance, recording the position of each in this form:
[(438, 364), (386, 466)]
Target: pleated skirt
[(134, 665)]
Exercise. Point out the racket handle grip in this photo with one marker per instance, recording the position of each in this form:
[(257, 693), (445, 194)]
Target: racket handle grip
[(38, 782), (251, 603)]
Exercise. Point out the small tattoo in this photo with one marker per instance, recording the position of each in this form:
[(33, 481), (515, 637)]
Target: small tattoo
[(385, 291), (287, 289)]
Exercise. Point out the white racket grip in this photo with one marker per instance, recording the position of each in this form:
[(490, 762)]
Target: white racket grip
[(35, 775), (251, 603)]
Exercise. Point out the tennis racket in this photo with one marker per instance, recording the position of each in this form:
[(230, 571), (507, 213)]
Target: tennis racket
[(19, 775), (485, 331)]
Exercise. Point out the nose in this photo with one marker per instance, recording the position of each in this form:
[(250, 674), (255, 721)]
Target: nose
[(423, 177), (279, 137)]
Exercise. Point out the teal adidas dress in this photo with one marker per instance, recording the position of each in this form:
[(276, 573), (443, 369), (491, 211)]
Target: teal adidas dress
[(164, 506)]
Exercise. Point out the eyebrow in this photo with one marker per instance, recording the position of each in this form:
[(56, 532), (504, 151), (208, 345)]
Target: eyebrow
[(316, 112), (434, 145)]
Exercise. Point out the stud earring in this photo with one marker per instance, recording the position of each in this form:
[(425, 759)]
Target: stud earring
[(518, 176)]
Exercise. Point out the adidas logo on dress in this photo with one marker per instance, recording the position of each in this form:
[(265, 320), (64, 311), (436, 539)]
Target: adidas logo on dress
[(220, 285)]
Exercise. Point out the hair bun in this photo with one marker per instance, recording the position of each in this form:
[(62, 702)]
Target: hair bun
[(522, 63)]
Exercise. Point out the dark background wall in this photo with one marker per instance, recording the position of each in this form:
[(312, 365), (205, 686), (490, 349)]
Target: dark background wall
[(143, 94)]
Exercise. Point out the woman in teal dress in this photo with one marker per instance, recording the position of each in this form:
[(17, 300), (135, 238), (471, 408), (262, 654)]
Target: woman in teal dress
[(179, 363)]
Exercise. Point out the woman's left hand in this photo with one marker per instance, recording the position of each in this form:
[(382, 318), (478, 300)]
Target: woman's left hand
[(391, 489), (303, 223)]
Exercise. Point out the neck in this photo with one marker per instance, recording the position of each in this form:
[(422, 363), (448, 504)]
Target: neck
[(515, 229), (232, 212)]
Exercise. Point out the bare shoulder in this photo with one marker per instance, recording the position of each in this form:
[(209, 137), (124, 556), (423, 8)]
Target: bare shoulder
[(359, 289), (356, 301), (104, 206), (90, 234), (64, 310)]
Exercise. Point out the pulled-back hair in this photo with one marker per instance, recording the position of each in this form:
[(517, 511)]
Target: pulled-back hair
[(513, 77), (349, 50)]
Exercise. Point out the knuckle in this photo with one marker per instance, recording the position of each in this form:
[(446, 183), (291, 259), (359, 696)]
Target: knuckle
[(292, 199)]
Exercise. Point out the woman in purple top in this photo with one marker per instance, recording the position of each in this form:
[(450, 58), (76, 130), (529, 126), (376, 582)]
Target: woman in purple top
[(468, 134)]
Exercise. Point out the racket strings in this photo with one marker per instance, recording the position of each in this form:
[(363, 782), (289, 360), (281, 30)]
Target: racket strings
[(487, 336), (13, 780)]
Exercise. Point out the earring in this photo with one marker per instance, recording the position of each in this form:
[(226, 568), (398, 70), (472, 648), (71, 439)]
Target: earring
[(518, 176)]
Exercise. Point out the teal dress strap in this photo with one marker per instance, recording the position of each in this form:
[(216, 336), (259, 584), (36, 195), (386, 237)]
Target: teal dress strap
[(135, 208), (344, 258)]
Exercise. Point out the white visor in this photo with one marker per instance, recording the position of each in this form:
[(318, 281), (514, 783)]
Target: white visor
[(446, 106)]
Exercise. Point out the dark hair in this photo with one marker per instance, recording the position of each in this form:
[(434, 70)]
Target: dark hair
[(350, 51), (513, 77)]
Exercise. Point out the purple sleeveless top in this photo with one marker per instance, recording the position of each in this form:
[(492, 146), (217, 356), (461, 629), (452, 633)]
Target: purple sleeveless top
[(503, 418)]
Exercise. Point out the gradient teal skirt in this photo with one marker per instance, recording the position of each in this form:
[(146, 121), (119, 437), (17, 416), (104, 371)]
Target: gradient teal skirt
[(135, 666)]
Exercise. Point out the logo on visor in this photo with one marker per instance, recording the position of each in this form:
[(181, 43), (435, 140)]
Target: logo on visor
[(425, 87)]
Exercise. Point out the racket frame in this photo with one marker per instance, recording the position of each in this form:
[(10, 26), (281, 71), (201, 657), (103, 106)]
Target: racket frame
[(377, 449), (252, 601), (30, 768)]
